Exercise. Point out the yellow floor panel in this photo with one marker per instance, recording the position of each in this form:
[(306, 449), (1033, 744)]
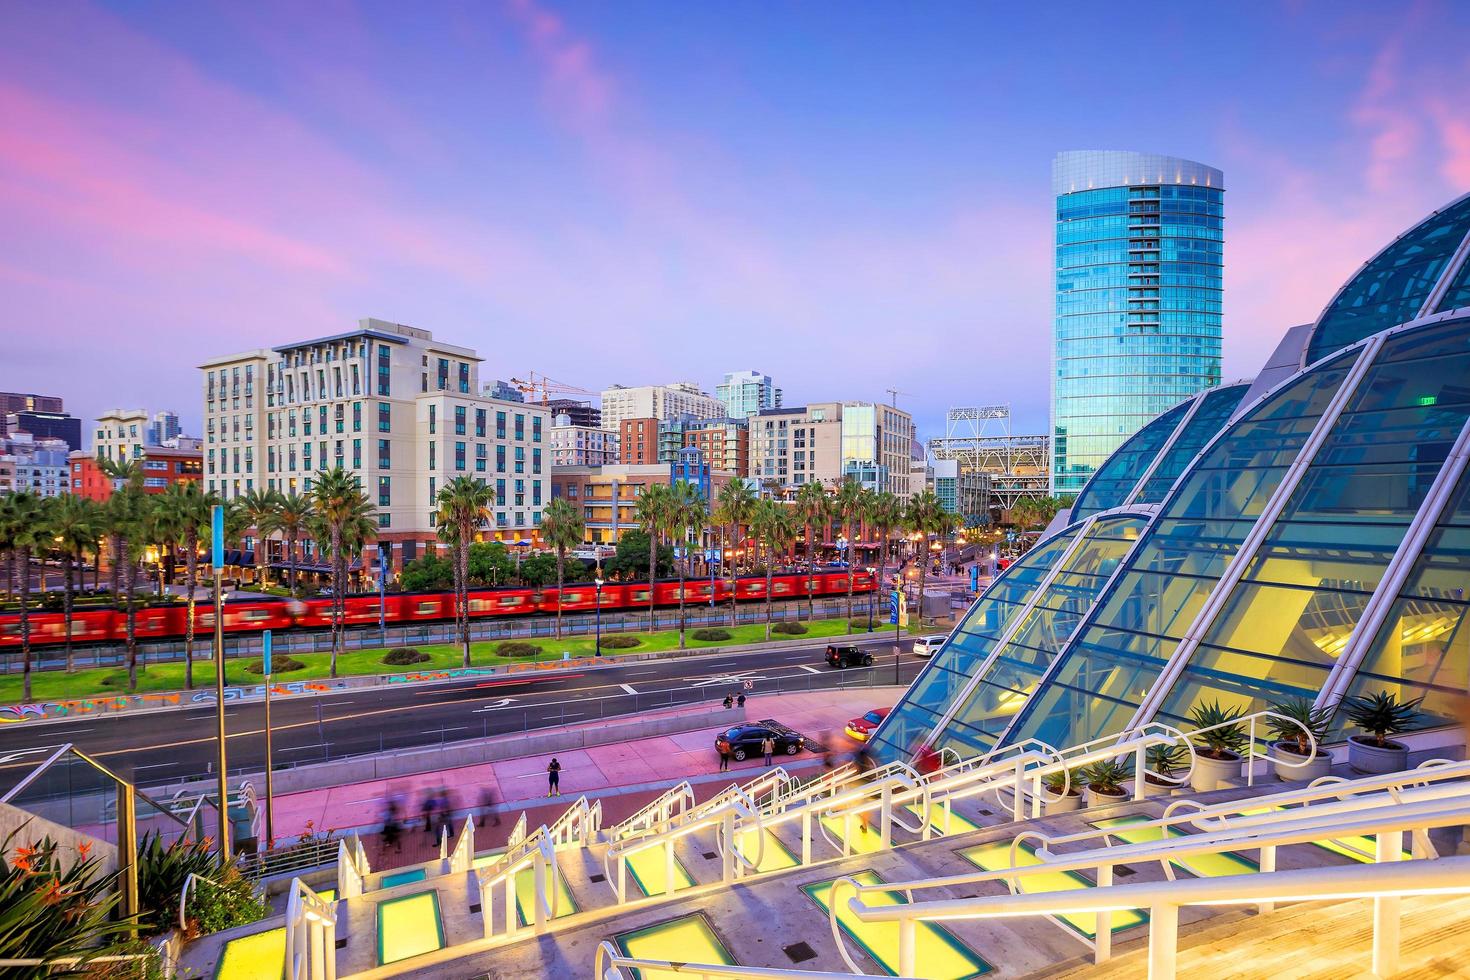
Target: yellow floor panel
[(938, 954), (526, 895), (689, 939), (996, 856), (776, 857), (1199, 865), (253, 957), (862, 842), (945, 826), (1360, 847), (650, 874), (409, 926)]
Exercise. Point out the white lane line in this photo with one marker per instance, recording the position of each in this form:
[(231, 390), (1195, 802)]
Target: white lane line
[(333, 704), (627, 688), (438, 731), (301, 748), (157, 765), (641, 673), (809, 670), (577, 715)]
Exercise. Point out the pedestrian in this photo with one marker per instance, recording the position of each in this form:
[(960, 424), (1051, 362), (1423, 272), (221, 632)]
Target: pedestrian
[(391, 827), (729, 701), (553, 778), (724, 751), (446, 810), (487, 806), (740, 701), (430, 802), (768, 748)]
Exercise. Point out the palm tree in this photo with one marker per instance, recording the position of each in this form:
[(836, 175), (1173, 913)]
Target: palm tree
[(464, 505), (562, 528), (74, 530), (927, 516), (162, 529), (652, 516), (814, 510), (685, 511), (128, 515), (125, 474), (850, 503), (774, 526), (259, 508), (192, 509), (290, 518), (24, 531), (340, 507), (733, 507)]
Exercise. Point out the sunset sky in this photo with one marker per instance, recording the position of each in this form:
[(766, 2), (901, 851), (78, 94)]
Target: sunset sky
[(849, 196)]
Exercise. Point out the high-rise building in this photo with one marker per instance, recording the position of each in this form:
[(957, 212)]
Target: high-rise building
[(164, 428), (388, 403), (657, 402), (830, 441), (1139, 245), (45, 425), (578, 412), (17, 401), (746, 392), (574, 444), (503, 391), (121, 433)]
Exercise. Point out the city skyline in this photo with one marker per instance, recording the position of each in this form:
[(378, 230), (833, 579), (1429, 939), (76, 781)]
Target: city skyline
[(532, 172)]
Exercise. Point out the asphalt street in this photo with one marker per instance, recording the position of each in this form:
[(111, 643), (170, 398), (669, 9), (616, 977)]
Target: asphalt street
[(169, 746)]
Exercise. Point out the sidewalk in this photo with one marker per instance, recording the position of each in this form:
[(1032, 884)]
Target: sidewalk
[(623, 775)]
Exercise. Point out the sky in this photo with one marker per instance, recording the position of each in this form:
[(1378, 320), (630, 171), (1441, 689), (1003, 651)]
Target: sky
[(851, 197)]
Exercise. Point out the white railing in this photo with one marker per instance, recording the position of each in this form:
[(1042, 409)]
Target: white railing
[(657, 812), (462, 858), (352, 867), (578, 825), (538, 853), (190, 884), (613, 965), (311, 935), (1252, 753)]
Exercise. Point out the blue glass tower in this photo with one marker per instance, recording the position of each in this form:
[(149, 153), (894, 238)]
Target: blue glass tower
[(1138, 267)]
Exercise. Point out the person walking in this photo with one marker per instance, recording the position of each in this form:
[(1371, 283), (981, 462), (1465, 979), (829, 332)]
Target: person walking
[(487, 806), (724, 757), (768, 748), (729, 701), (391, 827), (430, 802), (553, 778), (740, 701)]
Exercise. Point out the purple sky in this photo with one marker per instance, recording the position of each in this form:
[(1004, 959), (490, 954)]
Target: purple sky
[(850, 197)]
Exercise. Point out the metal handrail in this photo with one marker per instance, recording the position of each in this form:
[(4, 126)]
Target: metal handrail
[(681, 794), (184, 893), (1251, 755), (305, 909), (539, 843), (751, 811), (610, 964)]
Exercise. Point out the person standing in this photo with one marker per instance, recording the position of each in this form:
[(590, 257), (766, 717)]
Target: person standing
[(768, 748), (391, 827), (553, 778), (724, 751), (430, 802)]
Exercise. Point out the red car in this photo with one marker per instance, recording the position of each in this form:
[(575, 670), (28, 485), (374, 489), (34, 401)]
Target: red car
[(861, 728)]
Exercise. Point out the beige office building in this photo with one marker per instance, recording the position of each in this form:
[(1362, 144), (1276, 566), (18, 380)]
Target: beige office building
[(825, 442), (391, 405), (121, 433), (660, 402)]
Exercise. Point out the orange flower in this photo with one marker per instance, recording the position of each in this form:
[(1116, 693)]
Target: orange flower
[(85, 849), (52, 894)]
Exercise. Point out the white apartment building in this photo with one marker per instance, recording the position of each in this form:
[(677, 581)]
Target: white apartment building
[(581, 445), (390, 404), (660, 402), (121, 433), (743, 393), (829, 441), (31, 465)]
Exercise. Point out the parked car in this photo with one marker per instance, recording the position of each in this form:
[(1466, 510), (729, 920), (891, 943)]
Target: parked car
[(744, 741), (928, 646), (861, 728), (839, 657)]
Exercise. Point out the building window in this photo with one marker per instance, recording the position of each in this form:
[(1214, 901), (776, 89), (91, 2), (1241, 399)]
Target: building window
[(520, 428), (433, 423), (520, 459), (432, 447), (459, 413), (536, 461), (536, 429), (479, 423), (459, 456), (385, 491), (385, 418), (500, 459), (357, 454), (464, 379), (500, 425), (384, 372), (357, 416), (500, 493), (385, 520), (385, 454)]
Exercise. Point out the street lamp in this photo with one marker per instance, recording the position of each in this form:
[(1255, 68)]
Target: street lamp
[(597, 648), (872, 595)]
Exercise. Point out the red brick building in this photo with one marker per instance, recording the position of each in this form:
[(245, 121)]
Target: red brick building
[(161, 467), (638, 442)]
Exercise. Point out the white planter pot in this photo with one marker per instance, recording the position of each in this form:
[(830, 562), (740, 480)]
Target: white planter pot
[(1210, 773), (1370, 759), (1151, 788), (1321, 765), (1093, 798), (1072, 801)]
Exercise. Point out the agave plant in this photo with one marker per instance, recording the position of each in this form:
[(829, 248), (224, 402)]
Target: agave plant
[(1106, 776), (1300, 715), (162, 871), (1164, 761), (1381, 715), (1223, 739), (1059, 782)]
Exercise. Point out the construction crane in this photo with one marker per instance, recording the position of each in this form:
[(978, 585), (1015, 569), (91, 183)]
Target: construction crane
[(545, 385), (894, 393)]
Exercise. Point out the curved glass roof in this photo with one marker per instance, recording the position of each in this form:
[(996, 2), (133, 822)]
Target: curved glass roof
[(1214, 408), (1396, 284), (1115, 479)]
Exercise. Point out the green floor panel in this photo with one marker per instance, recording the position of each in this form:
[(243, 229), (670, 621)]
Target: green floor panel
[(863, 842), (687, 939), (1359, 847), (526, 895), (938, 955), (996, 856), (956, 824), (253, 957), (1198, 865), (776, 857), (648, 870), (409, 926), (402, 878)]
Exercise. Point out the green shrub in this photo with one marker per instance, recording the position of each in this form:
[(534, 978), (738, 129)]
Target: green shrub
[(790, 629), (711, 633), (620, 641), (516, 648), (877, 623), (230, 900), (279, 665), (162, 870), (403, 656)]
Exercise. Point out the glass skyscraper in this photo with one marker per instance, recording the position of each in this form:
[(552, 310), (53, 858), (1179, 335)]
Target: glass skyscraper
[(1139, 250)]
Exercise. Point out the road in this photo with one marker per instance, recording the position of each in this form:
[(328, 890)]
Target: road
[(169, 746)]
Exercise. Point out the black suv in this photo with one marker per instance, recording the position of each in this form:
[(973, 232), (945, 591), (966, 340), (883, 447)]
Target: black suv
[(744, 741), (840, 657)]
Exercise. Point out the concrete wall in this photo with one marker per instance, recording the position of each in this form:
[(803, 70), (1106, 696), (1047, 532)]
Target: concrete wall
[(35, 828)]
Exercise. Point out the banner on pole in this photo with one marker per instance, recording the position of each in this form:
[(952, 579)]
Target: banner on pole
[(217, 538), (895, 603), (266, 654)]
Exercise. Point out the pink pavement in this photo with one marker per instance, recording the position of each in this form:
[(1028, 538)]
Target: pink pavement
[(624, 774)]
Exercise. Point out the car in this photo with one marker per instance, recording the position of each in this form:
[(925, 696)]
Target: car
[(861, 728), (744, 741), (928, 646), (839, 657)]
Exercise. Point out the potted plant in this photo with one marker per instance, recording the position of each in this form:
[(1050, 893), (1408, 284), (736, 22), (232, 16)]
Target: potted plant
[(1066, 793), (1299, 716), (1220, 742), (1162, 765), (1379, 716), (1104, 780)]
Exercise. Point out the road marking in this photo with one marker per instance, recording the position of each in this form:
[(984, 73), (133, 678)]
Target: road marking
[(577, 715), (627, 688), (333, 704), (641, 673), (301, 748), (495, 705), (443, 731), (156, 765), (808, 668)]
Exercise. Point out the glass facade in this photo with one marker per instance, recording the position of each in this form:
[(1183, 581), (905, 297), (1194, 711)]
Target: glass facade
[(1214, 408), (1114, 481), (1139, 247)]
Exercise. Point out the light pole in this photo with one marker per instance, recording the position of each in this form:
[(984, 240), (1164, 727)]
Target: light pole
[(217, 560), (270, 826), (597, 648), (382, 588), (872, 596)]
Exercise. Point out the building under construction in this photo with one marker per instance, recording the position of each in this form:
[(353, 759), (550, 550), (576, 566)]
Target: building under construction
[(980, 440)]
